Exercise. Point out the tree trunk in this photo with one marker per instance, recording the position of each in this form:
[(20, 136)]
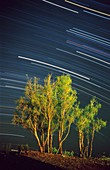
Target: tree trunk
[(43, 140), (60, 150), (51, 139), (80, 144), (88, 141), (48, 140), (86, 150), (91, 143), (39, 144)]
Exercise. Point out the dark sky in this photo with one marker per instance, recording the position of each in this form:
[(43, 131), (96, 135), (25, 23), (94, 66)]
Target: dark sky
[(51, 36)]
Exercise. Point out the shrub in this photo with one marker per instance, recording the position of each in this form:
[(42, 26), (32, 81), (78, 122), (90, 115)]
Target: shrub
[(55, 150), (69, 153)]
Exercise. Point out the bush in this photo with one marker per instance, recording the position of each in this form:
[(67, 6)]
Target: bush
[(24, 148), (69, 153), (55, 150)]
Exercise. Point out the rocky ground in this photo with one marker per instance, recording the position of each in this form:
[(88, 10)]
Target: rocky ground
[(34, 160), (70, 162)]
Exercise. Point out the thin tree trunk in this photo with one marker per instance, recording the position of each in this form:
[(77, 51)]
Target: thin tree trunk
[(51, 139), (43, 140), (59, 143), (91, 143), (60, 148), (88, 142), (80, 145), (48, 140), (87, 148), (39, 144), (66, 134)]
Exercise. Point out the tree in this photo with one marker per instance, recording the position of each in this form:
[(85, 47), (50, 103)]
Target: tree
[(96, 125), (29, 113), (87, 124), (45, 109), (67, 98), (36, 111), (49, 103)]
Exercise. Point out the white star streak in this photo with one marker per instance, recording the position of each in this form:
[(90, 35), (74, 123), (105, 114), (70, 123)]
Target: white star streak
[(2, 114), (96, 14), (93, 35), (54, 66), (87, 8), (88, 60), (79, 52), (88, 36), (91, 91), (60, 6), (82, 57), (10, 134), (12, 80), (14, 87)]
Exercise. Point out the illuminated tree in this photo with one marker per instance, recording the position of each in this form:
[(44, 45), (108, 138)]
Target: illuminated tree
[(36, 111), (49, 103), (96, 125), (66, 97), (87, 124), (29, 113), (52, 106)]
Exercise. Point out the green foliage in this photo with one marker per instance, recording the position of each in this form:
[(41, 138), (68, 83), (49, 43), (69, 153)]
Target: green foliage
[(67, 153), (87, 124), (53, 107), (54, 150), (67, 98)]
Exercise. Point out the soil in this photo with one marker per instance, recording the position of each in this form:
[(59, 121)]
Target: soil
[(70, 162), (35, 160)]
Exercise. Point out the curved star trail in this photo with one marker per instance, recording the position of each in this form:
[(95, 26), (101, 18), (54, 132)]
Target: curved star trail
[(58, 37)]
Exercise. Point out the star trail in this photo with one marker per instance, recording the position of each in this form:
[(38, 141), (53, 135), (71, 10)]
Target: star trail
[(59, 37)]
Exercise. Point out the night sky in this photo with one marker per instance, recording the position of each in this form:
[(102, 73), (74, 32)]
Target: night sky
[(59, 37)]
